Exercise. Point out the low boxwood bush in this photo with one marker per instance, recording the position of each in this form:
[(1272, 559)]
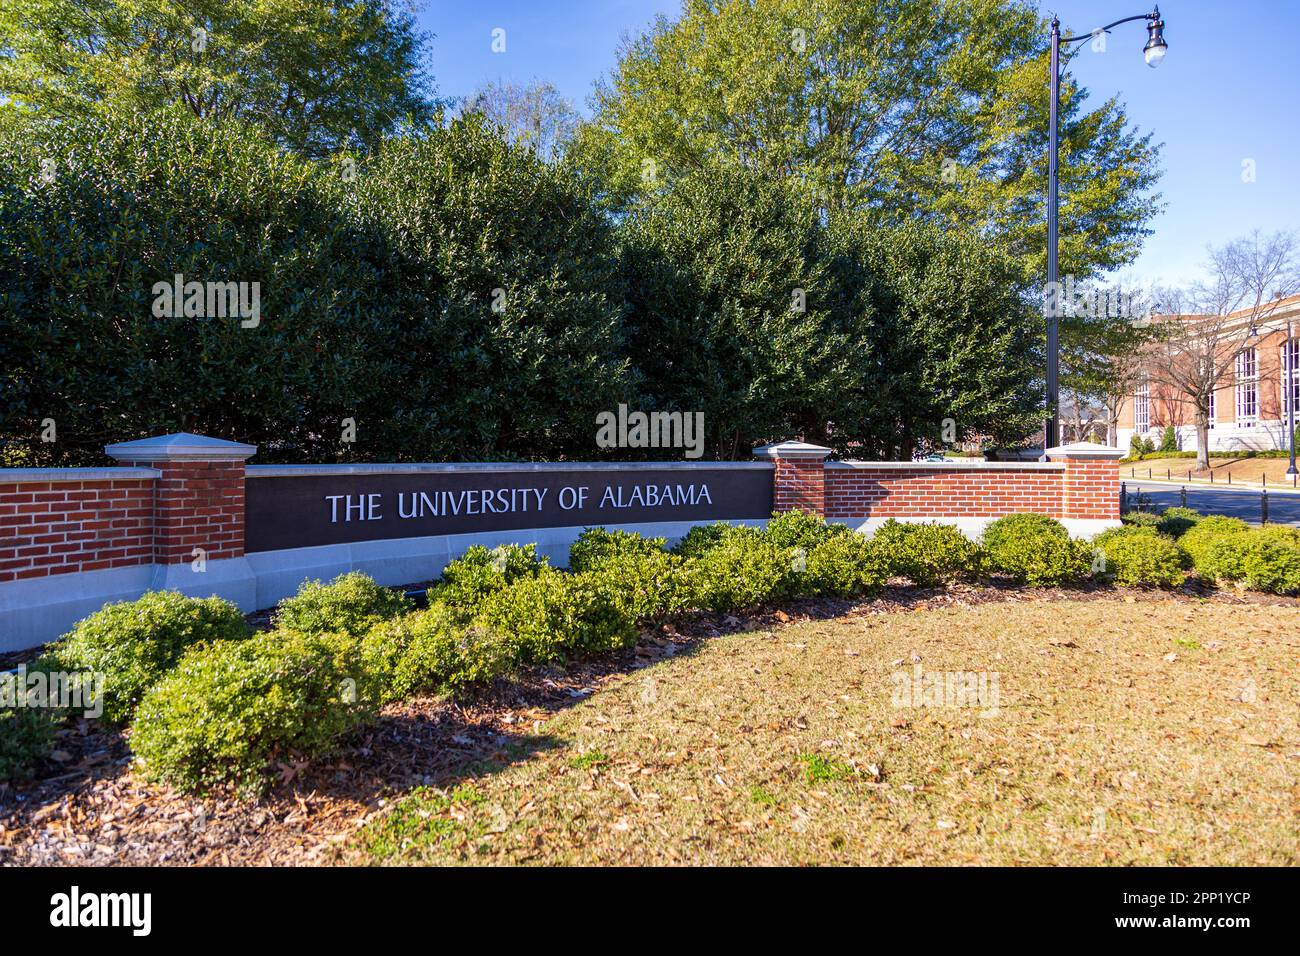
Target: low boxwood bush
[(428, 651), (1262, 559), (551, 616), (481, 572), (1139, 557), (230, 709), (1141, 519), (702, 538), (842, 565), (1176, 521), (133, 644), (798, 529), (1035, 549), (26, 739), (926, 554), (743, 568), (1200, 537), (595, 547), (350, 604), (649, 586)]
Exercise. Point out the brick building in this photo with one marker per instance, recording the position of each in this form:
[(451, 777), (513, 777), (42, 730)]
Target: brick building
[(1250, 406)]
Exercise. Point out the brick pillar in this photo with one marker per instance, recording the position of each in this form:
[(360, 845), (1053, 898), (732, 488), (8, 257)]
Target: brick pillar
[(800, 479), (199, 497), (1090, 485)]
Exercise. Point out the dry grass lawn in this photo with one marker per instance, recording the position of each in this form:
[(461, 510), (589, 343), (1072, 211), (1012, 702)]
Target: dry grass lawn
[(1247, 471), (1149, 732)]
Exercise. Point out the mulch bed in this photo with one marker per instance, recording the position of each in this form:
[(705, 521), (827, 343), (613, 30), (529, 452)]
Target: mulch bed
[(92, 809)]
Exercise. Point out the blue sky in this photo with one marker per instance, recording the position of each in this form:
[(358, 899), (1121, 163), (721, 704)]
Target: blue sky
[(1228, 91)]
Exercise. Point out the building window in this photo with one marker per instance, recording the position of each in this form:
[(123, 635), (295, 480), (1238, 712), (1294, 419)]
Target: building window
[(1247, 389), (1142, 408), (1214, 406), (1290, 376)]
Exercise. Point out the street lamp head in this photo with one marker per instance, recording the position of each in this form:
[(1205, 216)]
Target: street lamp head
[(1154, 51)]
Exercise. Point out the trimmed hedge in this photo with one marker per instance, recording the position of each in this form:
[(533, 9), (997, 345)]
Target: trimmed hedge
[(350, 604), (551, 616), (842, 565), (1035, 549), (596, 547), (926, 553), (232, 708), (743, 568), (1140, 557), (1262, 559), (1200, 538), (26, 739), (479, 573), (1176, 521), (135, 643), (431, 650)]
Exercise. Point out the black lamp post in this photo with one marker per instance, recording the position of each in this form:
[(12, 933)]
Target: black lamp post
[(1153, 52)]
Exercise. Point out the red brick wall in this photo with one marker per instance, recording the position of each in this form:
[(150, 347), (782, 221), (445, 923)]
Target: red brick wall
[(58, 527), (800, 484), (857, 492), (200, 505), (1091, 488)]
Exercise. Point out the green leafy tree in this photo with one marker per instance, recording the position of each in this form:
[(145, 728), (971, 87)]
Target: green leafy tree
[(95, 215), (729, 308), (940, 339), (902, 108), (510, 283), (317, 77)]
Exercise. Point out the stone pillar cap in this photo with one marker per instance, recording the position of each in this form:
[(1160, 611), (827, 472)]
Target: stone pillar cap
[(182, 446), (792, 449), (1085, 449)]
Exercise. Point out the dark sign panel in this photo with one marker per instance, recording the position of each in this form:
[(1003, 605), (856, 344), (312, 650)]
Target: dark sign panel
[(309, 510)]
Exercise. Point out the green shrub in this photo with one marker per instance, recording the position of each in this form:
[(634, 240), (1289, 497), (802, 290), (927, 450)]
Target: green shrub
[(926, 554), (743, 569), (1141, 519), (350, 604), (1169, 440), (1261, 559), (701, 538), (597, 546), (1176, 521), (1140, 557), (649, 586), (26, 739), (1198, 539), (76, 303), (550, 616), (1035, 549), (134, 643), (842, 565), (430, 650), (230, 709), (798, 529), (479, 572)]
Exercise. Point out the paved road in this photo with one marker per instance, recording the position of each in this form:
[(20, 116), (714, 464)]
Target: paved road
[(1282, 508)]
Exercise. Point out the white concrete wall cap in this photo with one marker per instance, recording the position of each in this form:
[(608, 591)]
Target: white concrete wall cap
[(1086, 449), (181, 446), (792, 449), (10, 475)]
